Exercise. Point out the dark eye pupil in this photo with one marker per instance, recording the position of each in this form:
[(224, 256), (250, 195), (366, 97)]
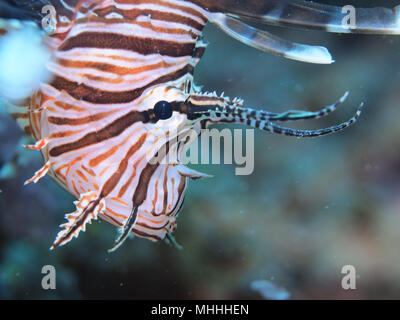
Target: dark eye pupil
[(163, 110)]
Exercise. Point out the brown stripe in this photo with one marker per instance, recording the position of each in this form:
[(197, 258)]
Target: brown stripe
[(127, 184), (63, 11), (191, 11), (28, 130), (78, 222), (80, 173), (103, 79), (63, 134), (90, 94), (100, 158), (20, 115), (144, 225), (213, 100), (106, 67), (114, 179), (250, 7), (145, 46), (181, 194), (134, 231), (190, 69), (79, 121), (72, 3), (112, 130)]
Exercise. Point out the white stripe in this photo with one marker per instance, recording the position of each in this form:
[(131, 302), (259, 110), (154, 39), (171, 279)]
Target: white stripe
[(151, 59), (129, 29)]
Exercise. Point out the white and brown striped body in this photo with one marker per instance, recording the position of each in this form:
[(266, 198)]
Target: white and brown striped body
[(113, 60)]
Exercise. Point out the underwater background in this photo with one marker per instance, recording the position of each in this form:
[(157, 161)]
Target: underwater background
[(310, 207)]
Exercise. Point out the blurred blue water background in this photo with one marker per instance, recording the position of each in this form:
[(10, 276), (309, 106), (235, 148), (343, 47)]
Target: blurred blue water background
[(310, 207)]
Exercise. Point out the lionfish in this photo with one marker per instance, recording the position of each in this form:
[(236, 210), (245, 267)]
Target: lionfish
[(122, 73)]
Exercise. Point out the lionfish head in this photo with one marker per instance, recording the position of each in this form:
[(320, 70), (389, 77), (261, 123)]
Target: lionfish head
[(171, 109)]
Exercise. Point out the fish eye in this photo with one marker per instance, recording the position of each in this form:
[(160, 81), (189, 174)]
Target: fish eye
[(163, 110)]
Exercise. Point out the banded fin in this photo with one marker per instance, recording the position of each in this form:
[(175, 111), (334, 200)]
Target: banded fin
[(292, 115), (126, 229), (310, 15), (268, 42), (40, 144), (191, 173), (88, 208), (39, 174)]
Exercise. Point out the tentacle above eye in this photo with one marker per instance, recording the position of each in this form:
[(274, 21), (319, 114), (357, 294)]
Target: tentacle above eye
[(268, 42), (310, 15), (214, 109), (293, 115)]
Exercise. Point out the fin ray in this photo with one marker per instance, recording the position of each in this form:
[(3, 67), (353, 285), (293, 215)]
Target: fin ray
[(88, 208), (268, 42), (39, 174), (126, 229)]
